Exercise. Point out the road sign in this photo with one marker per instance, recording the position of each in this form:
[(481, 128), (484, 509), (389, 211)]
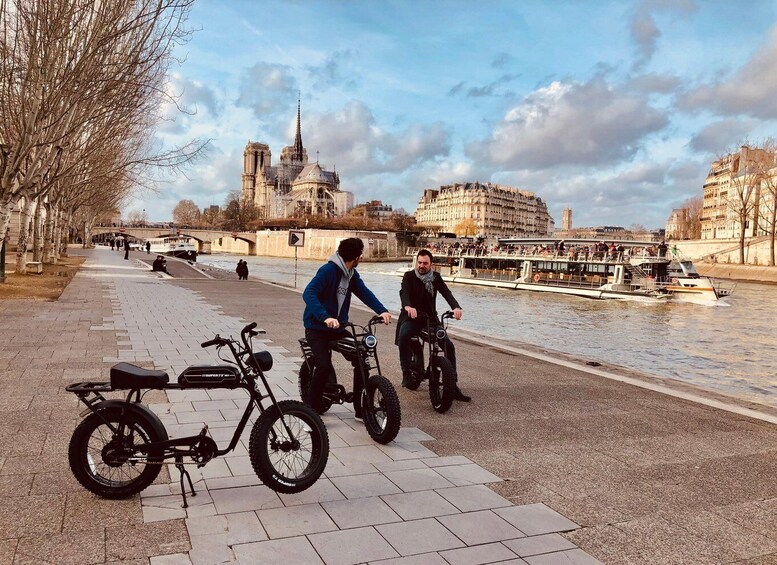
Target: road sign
[(234, 234), (121, 230), (296, 238)]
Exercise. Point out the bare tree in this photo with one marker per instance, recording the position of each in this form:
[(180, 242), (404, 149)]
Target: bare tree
[(747, 173), (690, 222), (186, 213), (80, 79), (767, 209), (238, 213), (211, 217), (137, 218)]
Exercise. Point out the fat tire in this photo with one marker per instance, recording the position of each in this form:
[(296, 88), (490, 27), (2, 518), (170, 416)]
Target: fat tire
[(87, 474), (305, 377), (388, 404), (259, 447), (442, 384), (416, 366)]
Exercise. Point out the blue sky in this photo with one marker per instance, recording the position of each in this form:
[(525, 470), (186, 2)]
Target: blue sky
[(614, 109)]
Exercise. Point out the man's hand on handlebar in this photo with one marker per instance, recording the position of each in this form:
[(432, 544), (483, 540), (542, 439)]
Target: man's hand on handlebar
[(332, 323), (412, 312), (457, 313), (386, 317)]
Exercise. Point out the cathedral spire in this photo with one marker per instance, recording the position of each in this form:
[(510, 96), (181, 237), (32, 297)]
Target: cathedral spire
[(298, 139)]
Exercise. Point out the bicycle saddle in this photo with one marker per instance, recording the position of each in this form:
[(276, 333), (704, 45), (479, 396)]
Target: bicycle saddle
[(127, 376)]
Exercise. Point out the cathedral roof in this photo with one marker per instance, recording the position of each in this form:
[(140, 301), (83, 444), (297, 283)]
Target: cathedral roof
[(314, 172)]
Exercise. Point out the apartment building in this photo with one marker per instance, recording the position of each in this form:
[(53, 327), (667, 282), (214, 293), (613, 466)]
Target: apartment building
[(495, 210)]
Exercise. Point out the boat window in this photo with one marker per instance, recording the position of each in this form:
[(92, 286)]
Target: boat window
[(688, 267)]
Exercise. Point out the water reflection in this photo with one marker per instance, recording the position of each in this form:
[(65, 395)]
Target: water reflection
[(726, 349)]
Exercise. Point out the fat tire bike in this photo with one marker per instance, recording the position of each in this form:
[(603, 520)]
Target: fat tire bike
[(119, 448), (438, 370), (381, 412)]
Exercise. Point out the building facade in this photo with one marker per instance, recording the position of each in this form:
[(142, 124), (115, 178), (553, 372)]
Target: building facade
[(676, 224), (494, 209), (566, 219), (736, 183), (375, 210), (293, 187)]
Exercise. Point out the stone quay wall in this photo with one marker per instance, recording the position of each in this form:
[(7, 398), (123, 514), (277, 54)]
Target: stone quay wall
[(319, 244)]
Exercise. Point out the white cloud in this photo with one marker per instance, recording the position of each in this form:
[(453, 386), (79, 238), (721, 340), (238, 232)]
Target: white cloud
[(644, 30), (269, 90), (749, 91), (717, 137), (582, 124)]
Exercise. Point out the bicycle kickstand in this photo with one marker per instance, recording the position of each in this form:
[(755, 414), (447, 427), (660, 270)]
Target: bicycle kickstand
[(184, 473)]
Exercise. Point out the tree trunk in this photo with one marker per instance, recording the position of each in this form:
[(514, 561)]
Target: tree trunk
[(55, 241), (5, 219), (48, 226), (772, 230), (36, 231), (24, 236)]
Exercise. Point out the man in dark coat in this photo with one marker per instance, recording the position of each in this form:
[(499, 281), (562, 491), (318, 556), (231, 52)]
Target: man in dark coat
[(126, 248), (419, 294)]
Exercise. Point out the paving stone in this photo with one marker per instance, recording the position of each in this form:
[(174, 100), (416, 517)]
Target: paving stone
[(209, 549), (570, 557), (401, 465), (360, 512), (32, 515), (479, 527), (420, 559), (240, 499), (172, 559), (360, 454), (472, 474), (417, 479), (296, 551), (146, 540), (475, 497), (295, 521), (487, 553), (323, 490), (244, 527), (535, 519), (446, 461), (365, 485), (535, 545), (346, 547), (422, 504), (419, 536)]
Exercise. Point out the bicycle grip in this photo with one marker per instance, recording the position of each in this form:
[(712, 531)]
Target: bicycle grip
[(211, 342), (249, 327)]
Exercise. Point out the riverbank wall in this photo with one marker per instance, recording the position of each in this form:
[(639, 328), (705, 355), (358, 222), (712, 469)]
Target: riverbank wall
[(757, 250), (751, 273), (318, 244)]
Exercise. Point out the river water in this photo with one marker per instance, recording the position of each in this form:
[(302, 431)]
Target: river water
[(727, 348)]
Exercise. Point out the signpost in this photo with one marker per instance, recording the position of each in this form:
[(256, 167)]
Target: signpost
[(296, 240)]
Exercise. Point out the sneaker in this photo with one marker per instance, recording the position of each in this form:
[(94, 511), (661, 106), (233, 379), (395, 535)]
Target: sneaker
[(461, 396), (357, 412)]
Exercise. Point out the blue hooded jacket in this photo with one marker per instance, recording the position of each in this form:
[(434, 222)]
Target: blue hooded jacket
[(320, 297)]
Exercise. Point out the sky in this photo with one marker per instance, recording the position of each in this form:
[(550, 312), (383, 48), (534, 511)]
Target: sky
[(614, 109)]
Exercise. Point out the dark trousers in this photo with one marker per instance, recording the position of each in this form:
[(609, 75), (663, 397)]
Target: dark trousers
[(410, 328), (126, 252), (321, 342)]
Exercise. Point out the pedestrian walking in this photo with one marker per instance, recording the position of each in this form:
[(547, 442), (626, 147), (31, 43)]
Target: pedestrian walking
[(126, 248), (148, 248)]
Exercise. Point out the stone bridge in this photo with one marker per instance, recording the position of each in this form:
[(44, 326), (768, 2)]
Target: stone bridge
[(203, 237)]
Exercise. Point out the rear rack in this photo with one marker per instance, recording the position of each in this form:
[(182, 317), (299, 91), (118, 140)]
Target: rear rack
[(89, 392)]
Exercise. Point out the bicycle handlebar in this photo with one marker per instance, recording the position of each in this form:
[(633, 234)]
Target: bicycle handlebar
[(211, 342)]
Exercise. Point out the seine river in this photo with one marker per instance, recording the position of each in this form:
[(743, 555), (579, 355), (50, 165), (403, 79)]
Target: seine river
[(728, 348)]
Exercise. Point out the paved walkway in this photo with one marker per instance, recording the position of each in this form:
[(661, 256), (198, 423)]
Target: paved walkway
[(399, 503)]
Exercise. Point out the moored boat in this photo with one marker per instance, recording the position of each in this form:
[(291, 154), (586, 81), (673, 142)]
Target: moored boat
[(626, 270), (174, 246)]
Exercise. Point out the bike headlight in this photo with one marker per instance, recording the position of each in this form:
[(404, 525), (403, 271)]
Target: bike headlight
[(440, 333), (370, 341)]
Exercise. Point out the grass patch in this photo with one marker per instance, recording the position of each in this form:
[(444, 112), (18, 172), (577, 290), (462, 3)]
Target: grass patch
[(47, 286)]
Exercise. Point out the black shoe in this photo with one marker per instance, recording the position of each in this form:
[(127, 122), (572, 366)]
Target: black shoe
[(461, 396), (406, 380)]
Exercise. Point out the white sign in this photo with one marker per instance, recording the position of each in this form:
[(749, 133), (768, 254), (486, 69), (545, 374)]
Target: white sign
[(296, 238)]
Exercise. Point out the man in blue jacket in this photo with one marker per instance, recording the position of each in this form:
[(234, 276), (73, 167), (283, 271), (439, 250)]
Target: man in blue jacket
[(327, 301)]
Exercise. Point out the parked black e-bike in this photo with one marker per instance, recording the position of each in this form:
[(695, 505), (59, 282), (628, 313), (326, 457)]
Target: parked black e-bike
[(380, 408), (439, 370), (118, 450)]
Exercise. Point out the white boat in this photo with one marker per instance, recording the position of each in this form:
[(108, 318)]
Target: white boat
[(174, 246), (631, 272)]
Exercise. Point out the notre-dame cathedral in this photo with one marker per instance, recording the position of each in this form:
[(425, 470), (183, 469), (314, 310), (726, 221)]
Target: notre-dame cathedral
[(293, 188)]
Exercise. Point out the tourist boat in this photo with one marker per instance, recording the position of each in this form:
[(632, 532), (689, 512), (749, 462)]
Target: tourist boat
[(633, 272), (174, 246)]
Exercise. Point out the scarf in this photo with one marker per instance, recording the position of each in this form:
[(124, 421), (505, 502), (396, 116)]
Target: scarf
[(345, 280), (427, 279)]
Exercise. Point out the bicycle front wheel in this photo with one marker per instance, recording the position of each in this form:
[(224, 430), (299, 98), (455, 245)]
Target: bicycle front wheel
[(110, 464), (381, 412), (289, 463), (442, 384)]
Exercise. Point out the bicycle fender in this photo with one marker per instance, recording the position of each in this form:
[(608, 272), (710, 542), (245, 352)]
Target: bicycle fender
[(140, 410)]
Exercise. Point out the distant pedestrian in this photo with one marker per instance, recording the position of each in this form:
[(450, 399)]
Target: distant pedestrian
[(126, 248), (662, 247), (148, 247), (113, 245), (242, 270), (159, 264)]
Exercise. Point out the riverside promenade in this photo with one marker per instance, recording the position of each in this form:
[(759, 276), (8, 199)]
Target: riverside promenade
[(546, 457)]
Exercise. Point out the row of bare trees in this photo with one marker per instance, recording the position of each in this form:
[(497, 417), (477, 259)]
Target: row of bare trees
[(82, 88)]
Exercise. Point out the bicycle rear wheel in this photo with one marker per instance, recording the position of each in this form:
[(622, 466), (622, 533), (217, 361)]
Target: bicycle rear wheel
[(110, 465), (289, 464), (442, 384)]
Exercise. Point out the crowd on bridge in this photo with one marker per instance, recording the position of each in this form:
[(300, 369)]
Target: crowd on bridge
[(602, 251)]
